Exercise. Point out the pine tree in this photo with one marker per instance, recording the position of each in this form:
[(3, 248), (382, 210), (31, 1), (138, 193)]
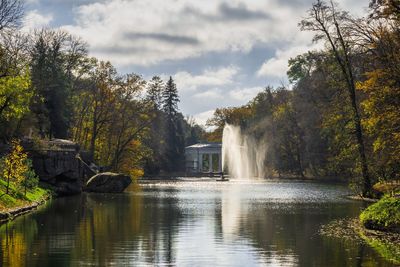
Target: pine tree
[(155, 91), (170, 100), (173, 132)]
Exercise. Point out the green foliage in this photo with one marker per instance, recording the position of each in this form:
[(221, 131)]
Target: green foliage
[(174, 132), (31, 180), (15, 96), (154, 94), (388, 250), (19, 182), (16, 198), (55, 56), (170, 99), (382, 215)]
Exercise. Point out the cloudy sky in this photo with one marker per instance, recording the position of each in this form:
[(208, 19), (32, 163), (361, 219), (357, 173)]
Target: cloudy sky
[(220, 53)]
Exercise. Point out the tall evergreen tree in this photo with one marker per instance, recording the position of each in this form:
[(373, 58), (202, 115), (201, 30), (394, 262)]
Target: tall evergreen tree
[(174, 132), (55, 55), (155, 142), (170, 99), (154, 92)]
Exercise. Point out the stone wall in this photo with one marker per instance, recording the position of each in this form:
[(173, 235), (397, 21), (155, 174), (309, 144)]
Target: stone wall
[(58, 164)]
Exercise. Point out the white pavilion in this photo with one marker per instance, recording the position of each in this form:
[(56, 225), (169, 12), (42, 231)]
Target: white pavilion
[(203, 158)]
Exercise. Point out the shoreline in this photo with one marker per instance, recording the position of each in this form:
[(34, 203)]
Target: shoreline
[(384, 243), (11, 214), (208, 178)]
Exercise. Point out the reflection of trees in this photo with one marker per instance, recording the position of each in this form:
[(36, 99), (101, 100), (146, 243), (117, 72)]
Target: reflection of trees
[(14, 245), (290, 229), (101, 229), (94, 228)]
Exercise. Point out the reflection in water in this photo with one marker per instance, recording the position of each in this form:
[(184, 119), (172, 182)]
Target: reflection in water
[(231, 212), (197, 223)]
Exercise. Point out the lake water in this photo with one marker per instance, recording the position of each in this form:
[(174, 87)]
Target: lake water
[(189, 223)]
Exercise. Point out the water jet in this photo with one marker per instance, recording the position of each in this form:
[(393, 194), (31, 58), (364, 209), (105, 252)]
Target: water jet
[(242, 156)]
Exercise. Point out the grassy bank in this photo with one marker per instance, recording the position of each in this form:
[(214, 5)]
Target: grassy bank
[(384, 243), (17, 198), (383, 215)]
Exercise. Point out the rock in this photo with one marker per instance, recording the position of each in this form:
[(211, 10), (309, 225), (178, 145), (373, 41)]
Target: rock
[(108, 182), (57, 163)]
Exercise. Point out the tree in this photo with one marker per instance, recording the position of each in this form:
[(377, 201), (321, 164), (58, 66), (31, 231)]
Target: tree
[(155, 142), (379, 38), (11, 13), (55, 57), (15, 164), (385, 8), (328, 22), (131, 118), (15, 96), (174, 132), (155, 92), (170, 99), (31, 180), (233, 115)]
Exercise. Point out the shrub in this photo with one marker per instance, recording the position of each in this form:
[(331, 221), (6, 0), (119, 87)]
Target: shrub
[(382, 215)]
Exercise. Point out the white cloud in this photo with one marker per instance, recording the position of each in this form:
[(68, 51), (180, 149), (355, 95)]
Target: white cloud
[(221, 98), (34, 19), (145, 32), (208, 95), (210, 77), (201, 118), (277, 66), (244, 94)]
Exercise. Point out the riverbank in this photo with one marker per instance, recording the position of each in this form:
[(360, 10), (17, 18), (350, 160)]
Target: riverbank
[(16, 203), (383, 242)]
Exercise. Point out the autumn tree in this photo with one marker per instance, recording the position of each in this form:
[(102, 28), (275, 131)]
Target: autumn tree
[(378, 37), (130, 118), (327, 21), (14, 164), (238, 116)]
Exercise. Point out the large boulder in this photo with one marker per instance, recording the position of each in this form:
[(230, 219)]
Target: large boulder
[(108, 182)]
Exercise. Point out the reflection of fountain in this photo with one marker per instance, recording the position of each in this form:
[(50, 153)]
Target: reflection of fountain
[(242, 156), (232, 211)]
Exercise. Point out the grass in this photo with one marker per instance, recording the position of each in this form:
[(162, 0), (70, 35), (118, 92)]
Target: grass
[(383, 215), (388, 250), (384, 243), (16, 197)]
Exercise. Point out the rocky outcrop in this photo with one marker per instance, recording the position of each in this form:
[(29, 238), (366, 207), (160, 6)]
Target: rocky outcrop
[(108, 182), (57, 163)]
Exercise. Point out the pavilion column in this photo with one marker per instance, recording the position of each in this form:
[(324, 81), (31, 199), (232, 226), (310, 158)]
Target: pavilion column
[(210, 163), (200, 162)]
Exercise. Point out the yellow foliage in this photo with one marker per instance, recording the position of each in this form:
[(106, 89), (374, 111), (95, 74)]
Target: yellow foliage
[(381, 119), (131, 161), (15, 165)]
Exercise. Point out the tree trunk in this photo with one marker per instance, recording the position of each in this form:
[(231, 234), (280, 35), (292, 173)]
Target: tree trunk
[(8, 179), (347, 71)]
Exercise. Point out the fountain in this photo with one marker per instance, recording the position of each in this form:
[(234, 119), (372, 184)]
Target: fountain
[(242, 156)]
